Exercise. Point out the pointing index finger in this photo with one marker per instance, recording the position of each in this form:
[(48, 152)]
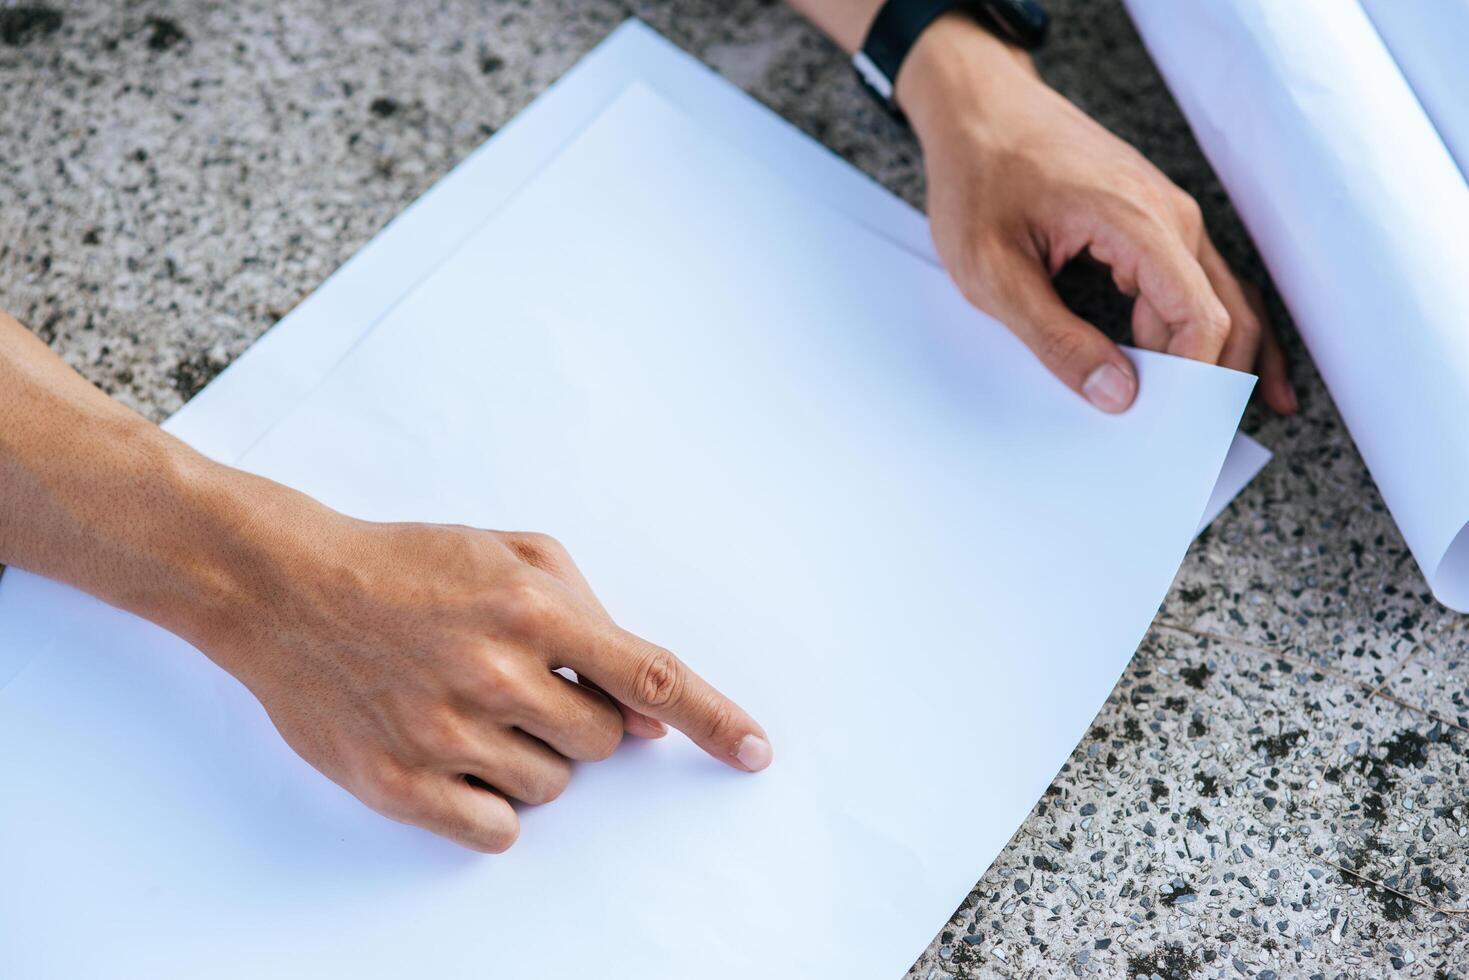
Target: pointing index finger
[(654, 682)]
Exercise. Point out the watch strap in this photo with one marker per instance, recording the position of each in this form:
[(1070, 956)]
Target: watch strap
[(899, 23)]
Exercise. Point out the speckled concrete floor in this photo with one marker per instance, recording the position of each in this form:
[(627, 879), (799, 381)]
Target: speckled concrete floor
[(175, 176)]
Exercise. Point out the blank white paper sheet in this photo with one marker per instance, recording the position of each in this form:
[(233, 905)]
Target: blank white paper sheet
[(778, 441)]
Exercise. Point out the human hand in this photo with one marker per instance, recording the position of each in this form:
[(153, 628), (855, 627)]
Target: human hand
[(1021, 181), (414, 665)]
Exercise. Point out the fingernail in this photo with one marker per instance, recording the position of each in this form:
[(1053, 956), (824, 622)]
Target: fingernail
[(754, 753), (1109, 388)]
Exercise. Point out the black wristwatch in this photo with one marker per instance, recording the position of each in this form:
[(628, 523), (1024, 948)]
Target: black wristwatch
[(899, 23)]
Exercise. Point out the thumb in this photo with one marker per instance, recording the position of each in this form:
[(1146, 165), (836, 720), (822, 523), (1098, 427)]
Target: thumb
[(653, 682), (1073, 350)]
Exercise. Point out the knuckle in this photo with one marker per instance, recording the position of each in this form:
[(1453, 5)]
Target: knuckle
[(442, 735), (1124, 275), (1216, 321), (539, 550), (495, 838), (530, 606), (658, 679), (1061, 345), (719, 720), (604, 739), (388, 789), (551, 545), (497, 679), (1248, 326), (1131, 196), (543, 787), (1190, 214)]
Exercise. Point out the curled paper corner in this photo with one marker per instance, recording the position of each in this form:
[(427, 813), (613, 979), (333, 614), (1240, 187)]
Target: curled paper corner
[(1245, 459), (1450, 579)]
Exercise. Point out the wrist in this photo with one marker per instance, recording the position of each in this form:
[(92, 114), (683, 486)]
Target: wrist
[(960, 78), (221, 547)]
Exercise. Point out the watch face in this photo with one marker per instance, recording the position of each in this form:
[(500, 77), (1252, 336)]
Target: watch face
[(1022, 21)]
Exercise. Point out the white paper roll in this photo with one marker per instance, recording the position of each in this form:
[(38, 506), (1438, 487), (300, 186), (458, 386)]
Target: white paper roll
[(1361, 215), (1427, 39)]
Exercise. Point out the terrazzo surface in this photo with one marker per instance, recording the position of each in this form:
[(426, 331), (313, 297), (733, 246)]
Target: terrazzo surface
[(1276, 788)]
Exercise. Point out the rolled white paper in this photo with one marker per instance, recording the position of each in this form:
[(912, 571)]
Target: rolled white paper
[(1361, 215), (1427, 39)]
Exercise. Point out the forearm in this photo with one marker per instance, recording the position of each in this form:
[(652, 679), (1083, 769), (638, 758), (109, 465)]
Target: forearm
[(94, 495), (957, 73), (844, 21)]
